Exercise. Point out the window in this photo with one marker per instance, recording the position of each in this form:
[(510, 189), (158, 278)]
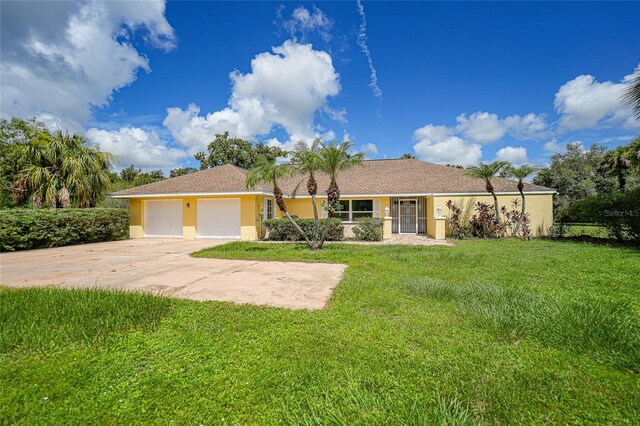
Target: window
[(268, 210), (353, 209)]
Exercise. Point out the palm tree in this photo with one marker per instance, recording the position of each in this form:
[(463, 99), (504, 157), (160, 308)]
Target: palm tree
[(631, 96), (486, 172), (521, 173), (408, 156), (267, 170), (62, 171), (333, 159), (617, 163), (306, 160)]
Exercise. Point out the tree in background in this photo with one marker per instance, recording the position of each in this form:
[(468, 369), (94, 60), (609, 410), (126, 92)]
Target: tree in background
[(61, 170), (487, 172), (236, 151), (617, 164), (408, 156), (577, 174), (14, 134), (181, 171)]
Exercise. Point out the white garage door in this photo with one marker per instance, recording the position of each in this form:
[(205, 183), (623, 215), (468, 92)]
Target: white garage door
[(163, 218), (219, 218)]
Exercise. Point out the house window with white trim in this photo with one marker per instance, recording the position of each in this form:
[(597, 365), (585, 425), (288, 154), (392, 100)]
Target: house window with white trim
[(351, 210), (268, 210)]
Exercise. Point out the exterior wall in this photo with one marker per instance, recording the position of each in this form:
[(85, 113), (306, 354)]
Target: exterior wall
[(250, 219), (431, 218), (136, 218), (303, 208), (539, 207)]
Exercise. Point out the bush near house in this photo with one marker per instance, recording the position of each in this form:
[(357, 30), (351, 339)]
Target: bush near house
[(24, 229), (368, 229), (619, 213), (283, 230)]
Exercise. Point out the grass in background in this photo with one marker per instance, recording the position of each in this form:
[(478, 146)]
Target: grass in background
[(42, 319), (383, 352)]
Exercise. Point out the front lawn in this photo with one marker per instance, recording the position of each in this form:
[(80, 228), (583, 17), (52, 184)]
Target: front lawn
[(483, 332)]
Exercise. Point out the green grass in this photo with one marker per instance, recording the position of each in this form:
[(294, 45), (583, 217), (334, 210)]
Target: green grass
[(492, 332)]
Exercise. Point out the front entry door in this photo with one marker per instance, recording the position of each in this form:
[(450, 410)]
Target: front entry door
[(408, 222)]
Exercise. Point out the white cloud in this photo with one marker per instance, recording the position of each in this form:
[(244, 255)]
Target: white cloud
[(304, 21), (553, 146), (481, 127), (585, 103), (514, 155), (437, 144), (284, 88), (369, 148), (462, 144), (362, 42), (484, 127), (61, 58), (133, 145)]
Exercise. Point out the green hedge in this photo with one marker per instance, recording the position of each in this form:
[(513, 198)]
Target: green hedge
[(282, 229), (23, 229), (368, 229), (618, 213)]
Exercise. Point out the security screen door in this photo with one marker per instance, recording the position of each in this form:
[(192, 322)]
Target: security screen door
[(408, 220)]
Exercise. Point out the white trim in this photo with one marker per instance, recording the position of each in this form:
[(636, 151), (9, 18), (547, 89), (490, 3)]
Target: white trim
[(422, 194), (188, 194), (426, 194)]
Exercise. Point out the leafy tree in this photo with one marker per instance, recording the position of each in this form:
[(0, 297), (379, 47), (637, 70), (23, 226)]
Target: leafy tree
[(575, 175), (521, 173), (616, 163), (15, 134), (408, 156), (144, 178), (129, 174), (226, 150), (486, 172), (181, 171), (61, 171), (631, 96)]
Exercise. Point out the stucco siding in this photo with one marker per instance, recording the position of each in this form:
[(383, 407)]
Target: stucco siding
[(539, 207)]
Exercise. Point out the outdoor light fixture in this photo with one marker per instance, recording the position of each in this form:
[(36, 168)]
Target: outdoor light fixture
[(188, 205), (439, 210), (386, 212)]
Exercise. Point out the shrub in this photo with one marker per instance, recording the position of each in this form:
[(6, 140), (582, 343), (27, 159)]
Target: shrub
[(368, 229), (282, 229), (24, 229), (618, 213)]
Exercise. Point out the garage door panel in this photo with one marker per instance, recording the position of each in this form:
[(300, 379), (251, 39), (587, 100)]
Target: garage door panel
[(163, 218), (219, 218)]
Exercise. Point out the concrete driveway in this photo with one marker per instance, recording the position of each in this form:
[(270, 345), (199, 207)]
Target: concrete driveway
[(163, 266)]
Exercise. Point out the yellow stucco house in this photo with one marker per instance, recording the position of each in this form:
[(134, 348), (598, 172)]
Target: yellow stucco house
[(410, 194)]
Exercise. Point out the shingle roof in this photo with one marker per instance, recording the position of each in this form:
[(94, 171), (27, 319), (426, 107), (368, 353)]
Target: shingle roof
[(226, 178), (400, 176), (408, 176)]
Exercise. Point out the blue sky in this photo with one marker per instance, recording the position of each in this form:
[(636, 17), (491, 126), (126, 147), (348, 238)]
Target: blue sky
[(449, 82)]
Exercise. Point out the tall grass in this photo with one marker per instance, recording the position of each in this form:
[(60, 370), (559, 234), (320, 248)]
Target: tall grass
[(39, 319), (606, 331), (360, 407)]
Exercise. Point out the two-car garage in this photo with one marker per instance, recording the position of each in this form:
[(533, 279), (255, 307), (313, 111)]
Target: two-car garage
[(215, 218)]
